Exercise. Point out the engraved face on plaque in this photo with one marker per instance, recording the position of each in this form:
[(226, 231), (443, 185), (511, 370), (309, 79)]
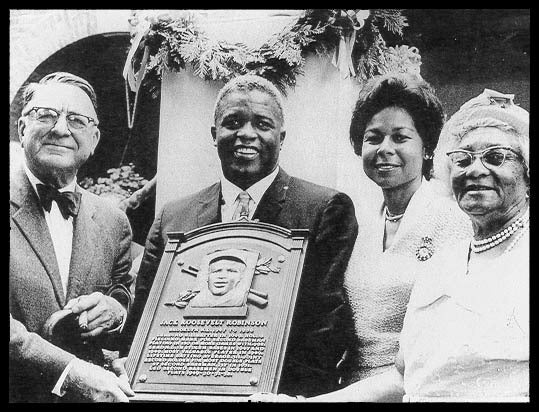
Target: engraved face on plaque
[(223, 285), (216, 322)]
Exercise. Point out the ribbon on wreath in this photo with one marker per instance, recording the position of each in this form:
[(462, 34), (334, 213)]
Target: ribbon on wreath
[(342, 57), (133, 80), (129, 70)]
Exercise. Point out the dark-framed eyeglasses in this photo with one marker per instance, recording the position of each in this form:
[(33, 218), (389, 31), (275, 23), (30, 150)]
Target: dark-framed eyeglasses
[(494, 156), (49, 117)]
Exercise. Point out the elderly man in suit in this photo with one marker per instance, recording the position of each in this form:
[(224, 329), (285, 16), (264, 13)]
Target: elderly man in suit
[(248, 133), (68, 248)]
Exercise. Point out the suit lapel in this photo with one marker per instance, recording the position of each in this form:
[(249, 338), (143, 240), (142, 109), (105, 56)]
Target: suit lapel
[(210, 206), (31, 221), (85, 240), (272, 202)]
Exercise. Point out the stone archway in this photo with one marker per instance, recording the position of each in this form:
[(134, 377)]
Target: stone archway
[(95, 51), (35, 35)]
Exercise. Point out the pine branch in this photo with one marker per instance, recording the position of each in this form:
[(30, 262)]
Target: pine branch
[(392, 20), (175, 42)]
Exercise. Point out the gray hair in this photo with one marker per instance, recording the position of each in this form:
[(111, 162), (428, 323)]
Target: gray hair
[(489, 109), (247, 83), (62, 78)]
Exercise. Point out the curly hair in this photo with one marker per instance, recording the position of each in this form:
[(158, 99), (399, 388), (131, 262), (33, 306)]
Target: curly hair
[(409, 92)]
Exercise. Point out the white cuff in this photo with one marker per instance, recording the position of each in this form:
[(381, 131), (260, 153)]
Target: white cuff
[(57, 390)]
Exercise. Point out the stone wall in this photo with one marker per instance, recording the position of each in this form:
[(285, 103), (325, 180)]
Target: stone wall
[(37, 34)]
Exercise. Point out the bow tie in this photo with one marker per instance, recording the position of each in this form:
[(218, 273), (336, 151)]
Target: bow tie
[(68, 202)]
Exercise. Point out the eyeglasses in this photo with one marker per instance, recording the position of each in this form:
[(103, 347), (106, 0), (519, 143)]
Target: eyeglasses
[(49, 117), (494, 156)]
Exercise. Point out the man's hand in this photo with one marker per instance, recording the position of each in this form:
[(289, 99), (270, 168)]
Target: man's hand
[(97, 313), (118, 367), (95, 384)]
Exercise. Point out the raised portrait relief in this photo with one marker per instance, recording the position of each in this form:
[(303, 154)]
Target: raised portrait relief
[(224, 280), (226, 284)]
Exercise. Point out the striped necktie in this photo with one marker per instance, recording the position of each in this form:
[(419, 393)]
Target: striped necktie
[(242, 210)]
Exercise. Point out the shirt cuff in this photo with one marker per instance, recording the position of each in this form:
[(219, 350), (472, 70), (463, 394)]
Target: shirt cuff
[(57, 390)]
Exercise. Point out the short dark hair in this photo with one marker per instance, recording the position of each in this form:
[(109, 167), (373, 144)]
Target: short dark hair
[(409, 92), (64, 78), (247, 83)]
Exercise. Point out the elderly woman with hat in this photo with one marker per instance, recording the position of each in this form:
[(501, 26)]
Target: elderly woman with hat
[(466, 331), (465, 335)]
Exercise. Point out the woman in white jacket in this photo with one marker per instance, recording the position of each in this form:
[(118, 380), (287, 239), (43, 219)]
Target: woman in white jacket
[(395, 129)]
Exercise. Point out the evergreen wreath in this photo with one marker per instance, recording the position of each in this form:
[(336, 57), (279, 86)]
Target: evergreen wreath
[(174, 43)]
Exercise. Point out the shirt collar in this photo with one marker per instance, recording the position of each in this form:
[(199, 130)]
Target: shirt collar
[(230, 191), (70, 187)]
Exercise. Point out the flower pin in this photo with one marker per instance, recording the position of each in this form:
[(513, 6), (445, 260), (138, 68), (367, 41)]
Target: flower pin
[(425, 249)]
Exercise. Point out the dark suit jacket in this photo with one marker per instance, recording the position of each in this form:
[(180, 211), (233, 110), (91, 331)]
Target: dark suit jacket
[(100, 261), (317, 339)]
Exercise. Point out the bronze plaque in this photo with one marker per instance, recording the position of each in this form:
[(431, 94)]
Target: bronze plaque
[(216, 322)]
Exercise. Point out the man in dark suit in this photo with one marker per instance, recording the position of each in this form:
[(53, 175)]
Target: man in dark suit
[(69, 249), (248, 133)]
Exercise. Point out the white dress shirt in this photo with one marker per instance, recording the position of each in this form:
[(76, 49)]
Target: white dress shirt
[(61, 229), (230, 195)]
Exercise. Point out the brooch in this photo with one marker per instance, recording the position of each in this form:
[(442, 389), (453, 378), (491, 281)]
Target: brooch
[(425, 249)]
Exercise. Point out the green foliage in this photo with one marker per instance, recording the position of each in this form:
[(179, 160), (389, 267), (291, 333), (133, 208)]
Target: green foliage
[(173, 43), (391, 19)]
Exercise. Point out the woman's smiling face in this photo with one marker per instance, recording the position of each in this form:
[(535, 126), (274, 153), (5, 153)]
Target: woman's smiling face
[(497, 189), (392, 150)]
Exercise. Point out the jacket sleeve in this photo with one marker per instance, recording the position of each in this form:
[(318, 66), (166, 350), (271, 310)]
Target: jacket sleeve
[(153, 251), (120, 276), (35, 353), (322, 322)]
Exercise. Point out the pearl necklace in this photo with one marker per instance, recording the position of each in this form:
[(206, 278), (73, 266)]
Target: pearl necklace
[(479, 246), (515, 241), (390, 217)]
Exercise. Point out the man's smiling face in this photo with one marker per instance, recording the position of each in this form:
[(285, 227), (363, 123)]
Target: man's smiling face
[(248, 134), (57, 148)]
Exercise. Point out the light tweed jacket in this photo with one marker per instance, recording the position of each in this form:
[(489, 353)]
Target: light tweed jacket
[(100, 261)]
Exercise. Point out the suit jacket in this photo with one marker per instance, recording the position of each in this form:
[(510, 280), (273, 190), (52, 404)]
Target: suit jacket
[(100, 261), (317, 339)]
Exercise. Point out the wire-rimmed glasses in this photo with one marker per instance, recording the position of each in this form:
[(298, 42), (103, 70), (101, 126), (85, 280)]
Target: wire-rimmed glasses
[(49, 117)]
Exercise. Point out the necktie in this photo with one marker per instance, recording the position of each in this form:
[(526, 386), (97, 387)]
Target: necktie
[(242, 210), (68, 202)]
